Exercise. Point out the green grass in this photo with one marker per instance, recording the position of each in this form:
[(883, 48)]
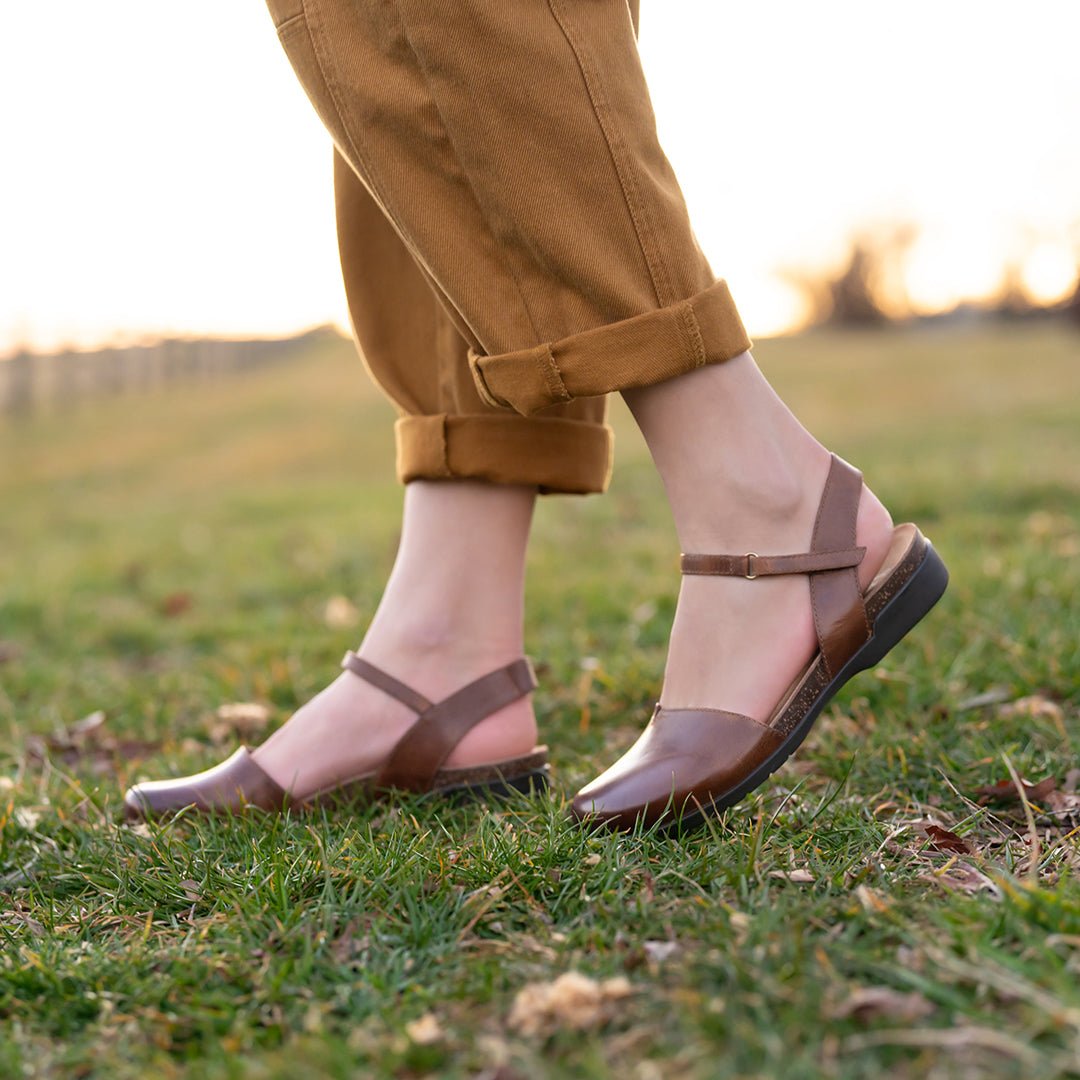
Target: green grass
[(161, 555)]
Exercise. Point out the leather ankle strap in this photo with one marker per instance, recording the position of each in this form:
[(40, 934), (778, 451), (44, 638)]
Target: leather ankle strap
[(386, 683), (420, 752), (751, 565), (839, 611)]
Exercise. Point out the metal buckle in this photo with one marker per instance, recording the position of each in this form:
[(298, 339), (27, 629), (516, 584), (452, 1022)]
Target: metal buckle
[(750, 557)]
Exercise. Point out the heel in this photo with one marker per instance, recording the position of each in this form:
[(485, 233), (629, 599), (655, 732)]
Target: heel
[(922, 591)]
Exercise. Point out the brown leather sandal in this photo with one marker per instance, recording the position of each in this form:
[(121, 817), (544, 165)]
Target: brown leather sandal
[(416, 763), (689, 762)]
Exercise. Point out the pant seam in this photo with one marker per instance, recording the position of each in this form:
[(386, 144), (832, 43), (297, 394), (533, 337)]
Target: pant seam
[(344, 116), (692, 331), (333, 90), (553, 376), (422, 68), (639, 216)]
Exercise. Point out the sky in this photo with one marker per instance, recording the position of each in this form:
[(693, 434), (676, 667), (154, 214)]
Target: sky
[(163, 173)]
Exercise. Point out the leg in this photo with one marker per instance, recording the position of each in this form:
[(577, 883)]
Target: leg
[(741, 474), (448, 622), (555, 186), (756, 653), (446, 618)]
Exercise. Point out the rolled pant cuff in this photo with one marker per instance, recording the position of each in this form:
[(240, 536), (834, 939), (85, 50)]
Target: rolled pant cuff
[(640, 351), (553, 454)]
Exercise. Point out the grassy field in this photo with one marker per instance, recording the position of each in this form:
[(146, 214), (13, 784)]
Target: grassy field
[(872, 909)]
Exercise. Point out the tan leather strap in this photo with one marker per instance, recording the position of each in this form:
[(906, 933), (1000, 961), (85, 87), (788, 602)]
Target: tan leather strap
[(839, 612), (751, 565), (386, 683), (421, 751)]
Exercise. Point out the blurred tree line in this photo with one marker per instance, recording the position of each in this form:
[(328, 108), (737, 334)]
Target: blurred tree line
[(868, 290)]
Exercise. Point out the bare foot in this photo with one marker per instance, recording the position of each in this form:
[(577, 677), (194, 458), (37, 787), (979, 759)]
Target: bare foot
[(742, 475), (350, 727), (738, 645), (448, 616)]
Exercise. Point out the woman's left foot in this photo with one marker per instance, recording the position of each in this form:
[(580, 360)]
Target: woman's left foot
[(755, 654)]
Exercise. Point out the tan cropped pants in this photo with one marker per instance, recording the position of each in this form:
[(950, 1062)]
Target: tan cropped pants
[(514, 242)]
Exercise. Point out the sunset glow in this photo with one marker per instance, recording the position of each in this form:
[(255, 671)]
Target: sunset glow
[(173, 178), (1049, 274)]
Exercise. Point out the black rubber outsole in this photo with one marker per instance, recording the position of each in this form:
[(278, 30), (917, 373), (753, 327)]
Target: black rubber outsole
[(900, 615), (531, 783)]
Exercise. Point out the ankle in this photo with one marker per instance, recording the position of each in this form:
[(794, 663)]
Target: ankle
[(763, 504), (443, 640)]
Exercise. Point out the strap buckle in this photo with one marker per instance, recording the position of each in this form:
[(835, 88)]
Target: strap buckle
[(750, 557)]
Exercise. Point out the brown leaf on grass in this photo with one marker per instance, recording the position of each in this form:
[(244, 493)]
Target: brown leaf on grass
[(871, 899), (88, 726), (9, 651), (964, 877), (87, 743), (340, 613), (1035, 706), (21, 918), (869, 1003), (994, 696), (796, 877), (175, 603), (947, 840), (659, 951), (1062, 804), (190, 889), (572, 1001), (1004, 791), (352, 940), (243, 718), (425, 1031)]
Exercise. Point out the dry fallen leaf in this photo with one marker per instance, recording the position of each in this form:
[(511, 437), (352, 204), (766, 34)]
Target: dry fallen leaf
[(88, 744), (88, 725), (994, 696), (340, 613), (1004, 791), (425, 1031), (1035, 706), (244, 718), (9, 651), (572, 1001), (798, 877), (190, 889), (869, 1003), (963, 876), (659, 951), (871, 899), (175, 604), (947, 840), (26, 817), (20, 918)]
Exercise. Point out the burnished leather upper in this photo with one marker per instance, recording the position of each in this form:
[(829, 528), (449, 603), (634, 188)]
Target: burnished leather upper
[(231, 785), (679, 761)]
